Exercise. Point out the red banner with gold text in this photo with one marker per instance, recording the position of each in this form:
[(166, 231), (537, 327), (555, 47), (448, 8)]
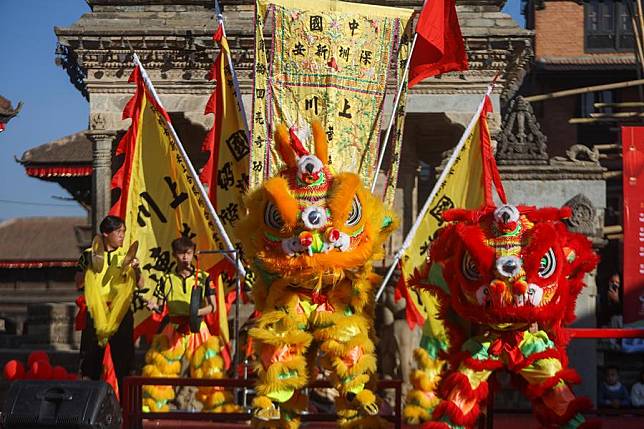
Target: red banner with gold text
[(633, 157)]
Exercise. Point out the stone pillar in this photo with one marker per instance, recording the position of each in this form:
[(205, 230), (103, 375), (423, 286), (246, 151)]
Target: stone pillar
[(101, 174), (51, 325)]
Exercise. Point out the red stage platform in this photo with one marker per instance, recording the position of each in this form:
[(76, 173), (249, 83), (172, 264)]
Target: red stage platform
[(501, 421)]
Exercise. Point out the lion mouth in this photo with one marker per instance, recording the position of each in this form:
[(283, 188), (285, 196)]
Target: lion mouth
[(533, 296), (309, 243)]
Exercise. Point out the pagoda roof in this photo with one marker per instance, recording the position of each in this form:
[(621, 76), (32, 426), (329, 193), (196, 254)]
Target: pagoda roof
[(70, 156), (7, 111), (41, 242)]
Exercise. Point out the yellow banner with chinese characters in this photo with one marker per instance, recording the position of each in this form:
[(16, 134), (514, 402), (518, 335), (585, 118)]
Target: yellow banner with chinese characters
[(226, 171), (463, 187), (328, 60), (160, 200)]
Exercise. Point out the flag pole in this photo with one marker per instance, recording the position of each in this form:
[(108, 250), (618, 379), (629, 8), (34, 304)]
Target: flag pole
[(392, 118), (437, 186), (191, 168), (233, 73), (242, 111)]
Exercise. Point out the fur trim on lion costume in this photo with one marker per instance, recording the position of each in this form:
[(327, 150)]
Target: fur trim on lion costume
[(312, 236), (513, 274)]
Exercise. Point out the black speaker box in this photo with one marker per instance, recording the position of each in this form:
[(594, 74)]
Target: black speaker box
[(39, 404)]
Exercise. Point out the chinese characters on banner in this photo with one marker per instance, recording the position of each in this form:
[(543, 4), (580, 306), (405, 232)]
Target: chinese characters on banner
[(159, 198), (633, 182), (328, 60), (226, 171), (463, 187)]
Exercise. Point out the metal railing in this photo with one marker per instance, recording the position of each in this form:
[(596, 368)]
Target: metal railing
[(132, 401), (486, 420)]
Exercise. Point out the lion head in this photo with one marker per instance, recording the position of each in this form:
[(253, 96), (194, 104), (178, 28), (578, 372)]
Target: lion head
[(512, 264), (308, 224)]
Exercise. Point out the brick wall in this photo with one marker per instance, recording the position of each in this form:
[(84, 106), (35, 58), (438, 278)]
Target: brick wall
[(560, 29), (554, 124)]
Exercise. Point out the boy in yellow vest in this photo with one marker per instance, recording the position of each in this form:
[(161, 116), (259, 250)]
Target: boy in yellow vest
[(177, 351), (108, 286)]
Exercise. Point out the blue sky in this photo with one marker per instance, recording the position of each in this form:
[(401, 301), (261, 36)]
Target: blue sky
[(53, 108)]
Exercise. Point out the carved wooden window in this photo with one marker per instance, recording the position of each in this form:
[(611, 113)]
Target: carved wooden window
[(608, 26)]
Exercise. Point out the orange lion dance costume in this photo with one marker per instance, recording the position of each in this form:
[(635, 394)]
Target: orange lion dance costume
[(312, 236), (502, 270)]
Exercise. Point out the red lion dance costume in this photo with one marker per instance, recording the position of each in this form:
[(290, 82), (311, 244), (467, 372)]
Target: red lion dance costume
[(312, 236), (514, 273)]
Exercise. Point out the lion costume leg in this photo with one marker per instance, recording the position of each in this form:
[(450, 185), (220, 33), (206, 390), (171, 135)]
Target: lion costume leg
[(422, 398), (348, 352), (546, 378), (465, 388), (281, 340), (163, 359), (206, 362)]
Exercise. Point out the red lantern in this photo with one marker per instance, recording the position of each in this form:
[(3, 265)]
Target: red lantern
[(59, 373), (36, 356), (14, 370), (41, 370)]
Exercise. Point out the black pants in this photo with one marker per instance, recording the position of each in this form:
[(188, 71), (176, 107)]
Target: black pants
[(121, 345)]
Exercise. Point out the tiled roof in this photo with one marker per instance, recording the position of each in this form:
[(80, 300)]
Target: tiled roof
[(585, 62), (6, 111), (42, 241), (73, 149)]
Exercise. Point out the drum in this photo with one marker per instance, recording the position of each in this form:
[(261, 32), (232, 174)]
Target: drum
[(195, 305)]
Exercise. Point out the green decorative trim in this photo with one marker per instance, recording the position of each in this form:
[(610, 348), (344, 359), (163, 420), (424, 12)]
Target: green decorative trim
[(318, 182), (358, 232), (436, 278), (272, 237)]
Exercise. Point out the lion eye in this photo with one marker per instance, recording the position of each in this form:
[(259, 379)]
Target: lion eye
[(469, 268), (272, 216), (356, 212), (548, 264)]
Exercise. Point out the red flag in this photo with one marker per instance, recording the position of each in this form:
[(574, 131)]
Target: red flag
[(208, 175), (109, 374), (412, 314), (439, 47), (490, 171)]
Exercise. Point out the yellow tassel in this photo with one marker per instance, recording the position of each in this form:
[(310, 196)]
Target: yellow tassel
[(415, 415), (295, 338), (262, 402)]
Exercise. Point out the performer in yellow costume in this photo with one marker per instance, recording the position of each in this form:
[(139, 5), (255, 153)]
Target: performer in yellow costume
[(312, 236), (108, 277), (177, 351)]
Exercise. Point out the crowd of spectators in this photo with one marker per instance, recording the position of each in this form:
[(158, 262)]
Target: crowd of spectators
[(614, 394)]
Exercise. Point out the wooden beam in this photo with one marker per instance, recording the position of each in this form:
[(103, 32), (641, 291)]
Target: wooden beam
[(619, 105), (613, 229), (584, 90), (605, 119), (610, 146), (616, 115), (612, 174), (615, 237)]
